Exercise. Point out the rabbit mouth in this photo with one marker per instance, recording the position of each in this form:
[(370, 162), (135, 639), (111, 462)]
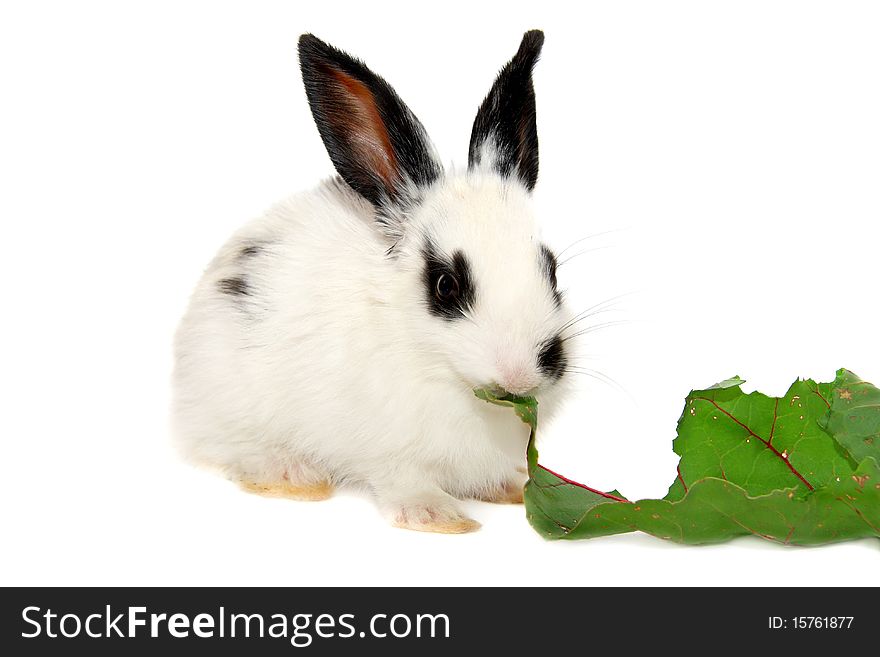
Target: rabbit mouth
[(501, 391), (522, 384)]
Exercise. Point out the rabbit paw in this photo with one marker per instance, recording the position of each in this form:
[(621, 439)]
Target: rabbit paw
[(409, 504), (424, 517), (308, 492), (509, 493)]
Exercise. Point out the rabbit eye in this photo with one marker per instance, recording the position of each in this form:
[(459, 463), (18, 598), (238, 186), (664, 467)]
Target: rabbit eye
[(446, 287), (449, 286)]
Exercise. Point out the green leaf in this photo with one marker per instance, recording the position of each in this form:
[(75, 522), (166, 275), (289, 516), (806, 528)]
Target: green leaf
[(732, 382), (761, 443), (854, 420), (525, 407), (800, 469), (716, 510)]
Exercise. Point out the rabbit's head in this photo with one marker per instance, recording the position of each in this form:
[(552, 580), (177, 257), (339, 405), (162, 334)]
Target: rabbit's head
[(475, 283)]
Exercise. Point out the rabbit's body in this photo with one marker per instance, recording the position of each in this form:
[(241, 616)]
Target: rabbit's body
[(321, 348)]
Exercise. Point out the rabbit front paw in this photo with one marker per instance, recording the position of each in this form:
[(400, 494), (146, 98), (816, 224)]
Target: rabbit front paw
[(422, 510), (427, 518)]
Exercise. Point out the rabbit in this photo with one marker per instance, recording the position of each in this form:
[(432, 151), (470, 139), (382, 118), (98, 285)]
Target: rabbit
[(338, 339)]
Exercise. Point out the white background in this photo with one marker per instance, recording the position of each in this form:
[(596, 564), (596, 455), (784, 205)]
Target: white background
[(732, 149)]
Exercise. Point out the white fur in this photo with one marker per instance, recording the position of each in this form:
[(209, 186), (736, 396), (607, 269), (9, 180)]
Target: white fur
[(333, 368)]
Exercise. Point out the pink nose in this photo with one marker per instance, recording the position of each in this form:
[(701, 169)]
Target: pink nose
[(517, 379)]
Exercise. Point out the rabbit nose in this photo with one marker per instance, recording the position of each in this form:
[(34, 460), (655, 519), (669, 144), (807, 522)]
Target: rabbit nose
[(517, 380)]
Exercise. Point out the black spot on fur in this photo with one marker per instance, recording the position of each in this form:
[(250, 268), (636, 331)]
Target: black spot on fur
[(250, 251), (549, 265), (437, 266), (352, 106), (506, 119), (551, 358), (236, 287)]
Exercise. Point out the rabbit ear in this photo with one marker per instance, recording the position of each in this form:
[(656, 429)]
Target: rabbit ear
[(376, 143), (505, 136)]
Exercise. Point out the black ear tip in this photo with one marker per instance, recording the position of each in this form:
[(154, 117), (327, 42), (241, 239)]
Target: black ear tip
[(535, 38), (307, 46), (312, 48), (531, 45), (307, 40)]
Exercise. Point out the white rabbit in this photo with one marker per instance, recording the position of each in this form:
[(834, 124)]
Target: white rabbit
[(338, 339)]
